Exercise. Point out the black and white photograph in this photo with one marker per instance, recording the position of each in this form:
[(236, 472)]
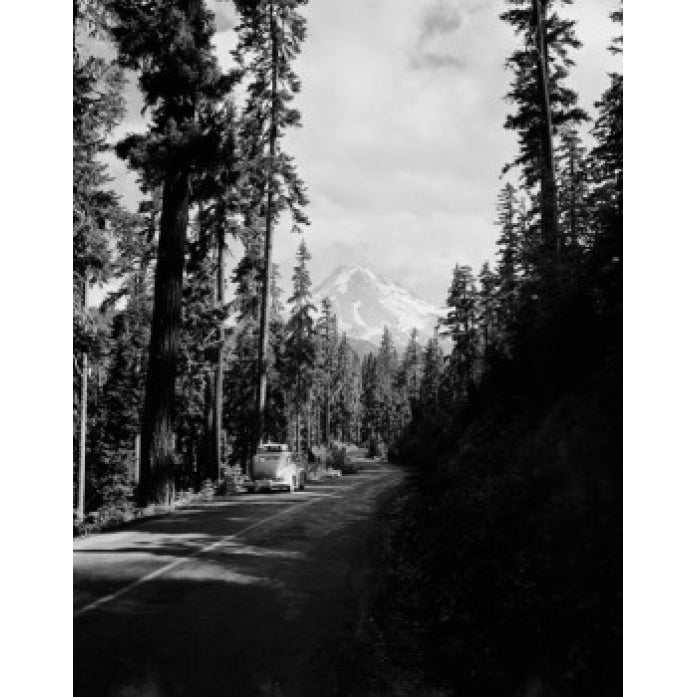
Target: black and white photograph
[(347, 348)]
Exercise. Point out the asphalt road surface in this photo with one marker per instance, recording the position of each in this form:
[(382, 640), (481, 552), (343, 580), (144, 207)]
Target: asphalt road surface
[(256, 595)]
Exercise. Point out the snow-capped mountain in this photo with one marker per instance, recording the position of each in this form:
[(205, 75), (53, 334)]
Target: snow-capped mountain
[(365, 302)]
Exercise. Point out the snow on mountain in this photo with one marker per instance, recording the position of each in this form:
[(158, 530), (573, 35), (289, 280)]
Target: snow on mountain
[(366, 302)]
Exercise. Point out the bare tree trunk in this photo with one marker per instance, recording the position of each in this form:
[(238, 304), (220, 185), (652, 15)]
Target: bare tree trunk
[(209, 423), (157, 450), (297, 429), (308, 411), (262, 362), (218, 401), (327, 417), (82, 455), (83, 440), (550, 215)]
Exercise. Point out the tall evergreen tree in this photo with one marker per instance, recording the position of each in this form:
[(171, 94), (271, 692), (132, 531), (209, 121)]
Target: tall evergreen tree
[(218, 194), (276, 407), (433, 367), (386, 372), (486, 310), (508, 267), (270, 34), (300, 346), (412, 366), (327, 355), (460, 324), (607, 189), (169, 43), (347, 414), (98, 106), (136, 246), (543, 103), (573, 177), (370, 404)]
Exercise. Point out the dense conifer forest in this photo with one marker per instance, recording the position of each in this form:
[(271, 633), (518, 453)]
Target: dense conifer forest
[(504, 555)]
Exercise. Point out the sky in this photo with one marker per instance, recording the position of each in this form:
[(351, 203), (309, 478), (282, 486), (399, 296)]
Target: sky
[(402, 142)]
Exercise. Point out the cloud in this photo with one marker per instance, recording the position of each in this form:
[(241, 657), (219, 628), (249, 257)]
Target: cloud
[(433, 61), (444, 36), (403, 139), (442, 18)]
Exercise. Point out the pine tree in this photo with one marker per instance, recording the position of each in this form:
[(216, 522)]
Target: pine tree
[(240, 388), (401, 407), (98, 106), (543, 104), (606, 198), (126, 364), (355, 413), (344, 386), (433, 367), (270, 33), (487, 311), (370, 405), (299, 347), (348, 392), (169, 44), (412, 367), (386, 372), (460, 325), (276, 408), (218, 194), (327, 355), (195, 425), (573, 177), (508, 267)]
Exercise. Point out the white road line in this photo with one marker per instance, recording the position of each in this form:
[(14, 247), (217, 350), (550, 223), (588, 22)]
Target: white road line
[(182, 560), (178, 562)]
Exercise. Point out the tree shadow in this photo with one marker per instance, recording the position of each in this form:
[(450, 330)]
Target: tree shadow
[(244, 619), (282, 612)]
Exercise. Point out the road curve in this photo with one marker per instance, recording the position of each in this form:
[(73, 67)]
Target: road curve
[(252, 596)]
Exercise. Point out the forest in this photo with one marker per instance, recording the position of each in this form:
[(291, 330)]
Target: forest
[(193, 357), (509, 415)]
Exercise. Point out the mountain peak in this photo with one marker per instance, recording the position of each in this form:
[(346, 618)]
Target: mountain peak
[(365, 302)]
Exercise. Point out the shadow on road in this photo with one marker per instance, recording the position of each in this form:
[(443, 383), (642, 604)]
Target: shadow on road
[(285, 611)]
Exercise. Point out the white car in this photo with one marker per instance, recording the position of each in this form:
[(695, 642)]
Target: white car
[(274, 468)]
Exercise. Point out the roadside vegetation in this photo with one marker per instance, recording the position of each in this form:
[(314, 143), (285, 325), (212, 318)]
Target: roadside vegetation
[(503, 560)]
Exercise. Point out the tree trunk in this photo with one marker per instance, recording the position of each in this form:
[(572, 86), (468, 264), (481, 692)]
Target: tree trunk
[(327, 417), (297, 429), (262, 363), (308, 419), (157, 449), (81, 472), (83, 440), (218, 388), (548, 188), (208, 468)]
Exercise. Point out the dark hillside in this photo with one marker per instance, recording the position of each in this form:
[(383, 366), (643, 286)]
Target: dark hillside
[(505, 561)]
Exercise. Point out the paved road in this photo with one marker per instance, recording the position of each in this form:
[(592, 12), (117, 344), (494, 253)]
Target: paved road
[(263, 594)]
